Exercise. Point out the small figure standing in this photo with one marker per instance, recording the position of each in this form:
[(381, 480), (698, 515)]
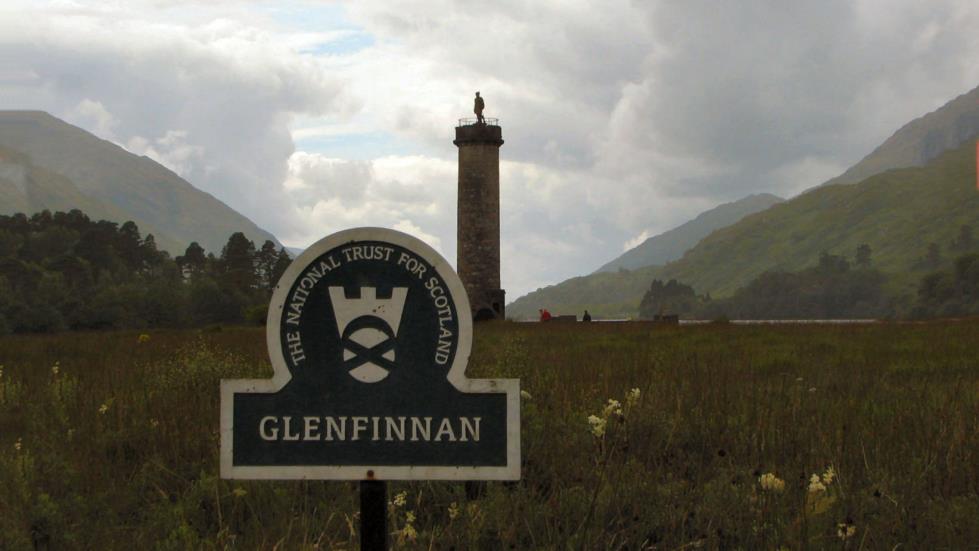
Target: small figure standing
[(544, 315), (586, 317), (478, 109)]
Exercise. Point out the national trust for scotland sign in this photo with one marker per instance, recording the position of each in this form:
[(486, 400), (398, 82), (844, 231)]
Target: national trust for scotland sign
[(369, 333)]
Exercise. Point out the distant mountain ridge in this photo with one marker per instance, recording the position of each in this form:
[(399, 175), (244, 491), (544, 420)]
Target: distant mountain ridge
[(890, 202), (671, 245), (921, 140), (898, 213), (50, 164)]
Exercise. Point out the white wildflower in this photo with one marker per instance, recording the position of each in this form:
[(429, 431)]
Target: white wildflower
[(526, 395), (597, 425), (453, 510), (632, 397), (103, 408), (55, 368), (816, 485), (18, 444), (812, 389), (771, 483), (613, 407)]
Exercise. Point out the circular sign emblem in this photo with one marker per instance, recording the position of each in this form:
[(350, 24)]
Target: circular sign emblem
[(368, 307)]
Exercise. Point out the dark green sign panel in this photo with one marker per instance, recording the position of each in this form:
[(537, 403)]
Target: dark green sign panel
[(369, 333)]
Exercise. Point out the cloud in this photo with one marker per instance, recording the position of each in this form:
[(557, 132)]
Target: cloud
[(414, 194), (636, 117), (170, 150), (636, 241), (619, 122), (94, 115)]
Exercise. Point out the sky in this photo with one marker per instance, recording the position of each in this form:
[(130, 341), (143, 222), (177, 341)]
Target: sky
[(621, 119)]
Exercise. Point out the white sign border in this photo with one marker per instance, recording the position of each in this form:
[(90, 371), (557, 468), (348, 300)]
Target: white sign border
[(456, 376)]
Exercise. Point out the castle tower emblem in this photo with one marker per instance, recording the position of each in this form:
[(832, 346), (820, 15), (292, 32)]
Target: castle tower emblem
[(368, 328)]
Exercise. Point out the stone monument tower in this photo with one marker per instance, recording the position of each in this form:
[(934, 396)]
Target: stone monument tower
[(478, 223)]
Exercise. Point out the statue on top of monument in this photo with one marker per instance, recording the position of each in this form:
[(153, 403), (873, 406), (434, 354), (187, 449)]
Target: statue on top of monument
[(478, 109)]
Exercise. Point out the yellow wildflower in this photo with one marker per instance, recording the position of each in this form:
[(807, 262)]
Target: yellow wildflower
[(828, 475), (770, 482), (55, 368), (597, 425), (816, 485), (143, 338), (103, 408), (612, 407), (453, 510), (239, 492), (632, 397), (18, 444), (845, 530), (400, 499)]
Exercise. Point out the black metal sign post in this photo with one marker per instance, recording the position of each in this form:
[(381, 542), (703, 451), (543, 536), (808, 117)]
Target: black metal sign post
[(369, 333), (373, 515)]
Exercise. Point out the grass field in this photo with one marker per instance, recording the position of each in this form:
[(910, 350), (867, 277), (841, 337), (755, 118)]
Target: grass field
[(110, 441)]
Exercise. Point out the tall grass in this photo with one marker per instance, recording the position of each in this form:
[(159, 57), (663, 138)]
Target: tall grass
[(111, 443)]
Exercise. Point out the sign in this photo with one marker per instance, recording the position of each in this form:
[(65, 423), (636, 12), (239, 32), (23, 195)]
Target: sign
[(369, 333)]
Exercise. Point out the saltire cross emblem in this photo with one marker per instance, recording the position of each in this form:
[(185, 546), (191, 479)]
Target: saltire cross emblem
[(368, 328)]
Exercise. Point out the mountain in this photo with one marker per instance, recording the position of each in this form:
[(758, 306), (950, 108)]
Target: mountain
[(921, 140), (898, 213), (916, 188), (614, 290), (671, 245), (49, 164)]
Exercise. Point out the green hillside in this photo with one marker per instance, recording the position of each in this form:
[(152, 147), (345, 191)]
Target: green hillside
[(66, 167), (27, 188), (670, 245), (898, 213)]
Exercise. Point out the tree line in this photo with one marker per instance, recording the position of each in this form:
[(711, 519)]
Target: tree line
[(834, 288), (63, 270)]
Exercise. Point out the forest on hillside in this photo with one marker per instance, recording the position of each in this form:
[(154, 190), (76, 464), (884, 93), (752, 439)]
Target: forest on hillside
[(63, 271), (836, 288)]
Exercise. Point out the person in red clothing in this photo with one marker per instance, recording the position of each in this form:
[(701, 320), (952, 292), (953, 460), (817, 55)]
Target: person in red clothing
[(544, 315)]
